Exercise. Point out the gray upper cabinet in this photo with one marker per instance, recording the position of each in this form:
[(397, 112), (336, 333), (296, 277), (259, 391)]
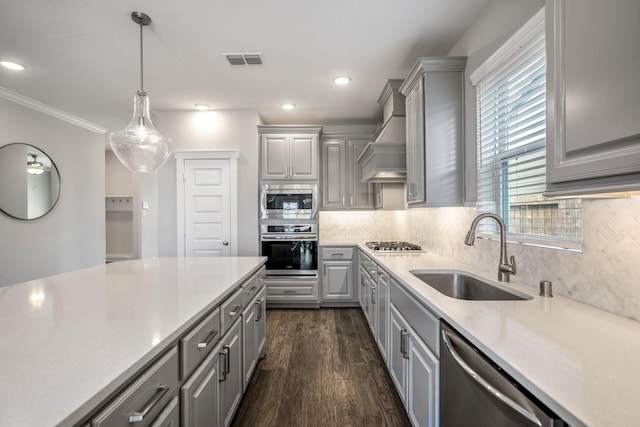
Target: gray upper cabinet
[(434, 100), (341, 177), (289, 152), (593, 112)]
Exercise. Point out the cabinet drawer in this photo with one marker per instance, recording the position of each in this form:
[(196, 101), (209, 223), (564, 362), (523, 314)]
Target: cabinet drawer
[(250, 289), (198, 343), (425, 324), (231, 310), (332, 254), (292, 293), (370, 267), (141, 402)]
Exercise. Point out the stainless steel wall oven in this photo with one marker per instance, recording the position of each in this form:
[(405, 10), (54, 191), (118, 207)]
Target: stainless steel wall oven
[(288, 201), (291, 249)]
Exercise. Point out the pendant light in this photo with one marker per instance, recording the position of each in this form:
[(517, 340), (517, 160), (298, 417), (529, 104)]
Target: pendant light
[(34, 167), (140, 147)]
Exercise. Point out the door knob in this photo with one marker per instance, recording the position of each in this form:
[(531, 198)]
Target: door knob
[(225, 243)]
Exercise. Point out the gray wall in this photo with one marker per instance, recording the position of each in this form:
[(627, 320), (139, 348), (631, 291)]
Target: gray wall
[(211, 130), (493, 27), (72, 235)]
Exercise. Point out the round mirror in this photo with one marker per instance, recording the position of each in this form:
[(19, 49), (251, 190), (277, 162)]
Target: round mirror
[(29, 181)]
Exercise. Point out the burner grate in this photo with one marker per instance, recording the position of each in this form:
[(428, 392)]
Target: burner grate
[(393, 246)]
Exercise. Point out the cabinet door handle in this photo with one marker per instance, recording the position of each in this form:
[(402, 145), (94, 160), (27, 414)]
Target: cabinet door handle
[(207, 341), (250, 290), (138, 417), (259, 310), (373, 295), (351, 200), (287, 291), (342, 200), (404, 335), (225, 371), (235, 311)]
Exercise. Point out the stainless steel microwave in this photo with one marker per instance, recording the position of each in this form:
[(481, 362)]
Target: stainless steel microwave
[(289, 201)]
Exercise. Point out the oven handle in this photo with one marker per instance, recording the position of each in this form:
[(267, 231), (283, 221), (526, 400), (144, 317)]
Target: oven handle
[(291, 237), (484, 384)]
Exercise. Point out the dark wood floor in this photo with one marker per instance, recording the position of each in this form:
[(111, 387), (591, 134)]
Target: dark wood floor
[(322, 368)]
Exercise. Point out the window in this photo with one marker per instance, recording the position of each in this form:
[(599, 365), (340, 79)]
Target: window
[(511, 130)]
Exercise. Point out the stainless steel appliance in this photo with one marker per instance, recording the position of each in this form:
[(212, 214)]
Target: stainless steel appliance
[(288, 201), (475, 392), (291, 248), (392, 246)]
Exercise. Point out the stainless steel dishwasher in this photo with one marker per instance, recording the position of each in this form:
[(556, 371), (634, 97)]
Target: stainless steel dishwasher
[(475, 392)]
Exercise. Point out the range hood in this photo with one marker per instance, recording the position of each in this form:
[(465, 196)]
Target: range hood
[(384, 160)]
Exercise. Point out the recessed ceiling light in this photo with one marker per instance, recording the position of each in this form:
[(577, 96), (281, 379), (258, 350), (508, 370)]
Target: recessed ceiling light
[(202, 107), (342, 80), (288, 106), (12, 65)]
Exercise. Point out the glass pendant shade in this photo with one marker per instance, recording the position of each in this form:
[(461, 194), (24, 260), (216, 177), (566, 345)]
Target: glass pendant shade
[(140, 147)]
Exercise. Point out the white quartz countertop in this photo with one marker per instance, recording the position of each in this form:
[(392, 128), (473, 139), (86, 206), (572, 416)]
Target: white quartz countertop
[(582, 362), (68, 341)]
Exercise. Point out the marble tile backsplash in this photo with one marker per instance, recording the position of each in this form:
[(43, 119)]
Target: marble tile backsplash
[(606, 274)]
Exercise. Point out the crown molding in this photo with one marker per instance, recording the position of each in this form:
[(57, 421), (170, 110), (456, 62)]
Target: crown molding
[(51, 111)]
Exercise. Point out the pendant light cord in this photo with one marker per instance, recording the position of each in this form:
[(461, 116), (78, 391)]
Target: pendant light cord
[(141, 60)]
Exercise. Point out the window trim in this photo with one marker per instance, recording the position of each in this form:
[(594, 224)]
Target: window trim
[(501, 57)]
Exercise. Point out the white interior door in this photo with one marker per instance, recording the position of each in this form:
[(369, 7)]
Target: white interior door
[(207, 207)]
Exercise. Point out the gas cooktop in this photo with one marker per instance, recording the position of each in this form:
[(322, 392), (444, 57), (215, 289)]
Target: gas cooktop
[(392, 246)]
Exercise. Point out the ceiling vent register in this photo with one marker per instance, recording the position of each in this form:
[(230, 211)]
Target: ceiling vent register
[(244, 58)]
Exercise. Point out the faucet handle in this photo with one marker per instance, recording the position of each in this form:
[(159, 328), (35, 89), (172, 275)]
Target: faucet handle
[(513, 264)]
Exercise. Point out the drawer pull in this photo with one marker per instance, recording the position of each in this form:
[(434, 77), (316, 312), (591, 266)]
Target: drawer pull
[(287, 291), (251, 290), (137, 417), (208, 340), (235, 311), (337, 254)]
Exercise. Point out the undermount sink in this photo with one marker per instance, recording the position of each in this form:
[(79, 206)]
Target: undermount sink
[(462, 286)]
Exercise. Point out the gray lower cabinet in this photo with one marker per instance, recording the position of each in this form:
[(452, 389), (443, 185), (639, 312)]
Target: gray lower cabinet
[(397, 354), (414, 371), (261, 322), (341, 185), (434, 104), (200, 394), (230, 373), (253, 334), (337, 274), (593, 113), (249, 353), (382, 315)]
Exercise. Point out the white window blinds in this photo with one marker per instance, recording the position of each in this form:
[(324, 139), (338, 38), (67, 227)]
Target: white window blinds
[(511, 119)]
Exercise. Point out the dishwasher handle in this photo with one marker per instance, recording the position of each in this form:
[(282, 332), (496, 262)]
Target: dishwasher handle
[(483, 383)]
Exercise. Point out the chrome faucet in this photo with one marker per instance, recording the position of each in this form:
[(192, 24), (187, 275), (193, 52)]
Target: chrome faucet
[(504, 268)]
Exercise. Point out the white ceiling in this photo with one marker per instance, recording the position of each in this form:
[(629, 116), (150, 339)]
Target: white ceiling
[(83, 55)]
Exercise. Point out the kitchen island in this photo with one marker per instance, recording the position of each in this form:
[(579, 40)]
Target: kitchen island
[(70, 341), (581, 362)]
